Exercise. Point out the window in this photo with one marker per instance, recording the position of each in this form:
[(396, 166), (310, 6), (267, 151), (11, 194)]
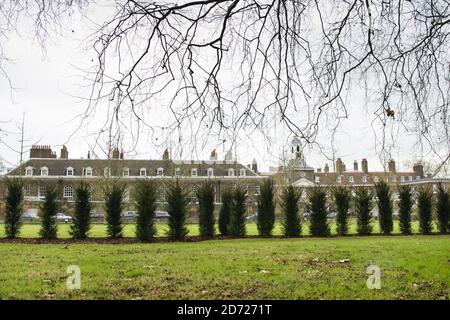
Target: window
[(339, 179), (245, 188), (417, 178), (210, 172), (177, 172), (68, 192), (44, 171), (242, 172), (376, 179), (125, 172), (364, 179), (351, 179), (29, 171), (317, 179), (69, 171), (107, 172), (161, 194), (160, 171), (143, 172), (402, 179), (230, 172), (194, 172), (257, 190), (88, 172), (41, 191), (410, 178), (194, 198), (27, 190)]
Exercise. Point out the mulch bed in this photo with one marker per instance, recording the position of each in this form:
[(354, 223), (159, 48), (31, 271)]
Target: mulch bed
[(124, 240)]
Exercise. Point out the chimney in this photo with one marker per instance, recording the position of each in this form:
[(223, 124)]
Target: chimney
[(121, 155), (365, 165), (39, 151), (64, 153), (166, 154), (391, 166), (213, 156), (115, 153), (418, 170), (319, 170), (344, 168), (339, 166), (327, 169), (355, 165), (254, 165), (89, 154)]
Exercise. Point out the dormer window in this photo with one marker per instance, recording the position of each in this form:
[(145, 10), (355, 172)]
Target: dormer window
[(317, 179), (339, 179), (178, 172), (364, 179), (44, 171), (107, 172), (29, 171), (417, 178), (210, 172), (194, 172), (242, 172), (143, 172), (88, 172), (160, 172), (402, 179), (125, 172), (376, 179), (231, 172), (69, 171), (410, 178)]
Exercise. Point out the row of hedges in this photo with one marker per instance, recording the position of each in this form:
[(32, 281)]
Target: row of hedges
[(232, 215)]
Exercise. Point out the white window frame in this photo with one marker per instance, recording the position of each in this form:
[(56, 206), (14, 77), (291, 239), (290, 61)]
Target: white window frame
[(402, 178), (410, 178), (161, 194), (193, 172), (418, 178), (351, 179), (210, 172), (126, 172), (42, 189), (317, 179), (88, 172), (364, 179), (160, 172), (68, 192), (27, 190), (44, 171), (107, 172), (230, 172), (29, 171), (339, 179), (257, 190), (70, 169), (376, 179), (177, 172), (242, 172), (142, 172)]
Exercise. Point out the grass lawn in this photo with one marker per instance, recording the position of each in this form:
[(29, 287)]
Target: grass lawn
[(416, 267), (99, 230)]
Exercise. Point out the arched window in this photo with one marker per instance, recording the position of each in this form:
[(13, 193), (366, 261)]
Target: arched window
[(143, 172), (242, 172), (88, 172), (68, 192), (70, 171), (160, 171), (29, 171)]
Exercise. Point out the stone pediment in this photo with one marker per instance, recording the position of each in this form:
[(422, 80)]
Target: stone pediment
[(303, 182)]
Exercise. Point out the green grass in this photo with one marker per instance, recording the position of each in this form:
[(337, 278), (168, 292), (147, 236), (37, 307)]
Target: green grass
[(412, 267), (99, 230)]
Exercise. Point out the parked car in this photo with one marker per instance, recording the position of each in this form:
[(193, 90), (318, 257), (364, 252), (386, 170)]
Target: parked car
[(129, 215), (61, 217), (332, 215), (97, 216), (161, 215), (29, 216), (252, 217)]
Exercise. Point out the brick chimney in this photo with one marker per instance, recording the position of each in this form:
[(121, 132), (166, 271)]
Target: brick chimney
[(40, 151), (254, 165), (64, 153), (391, 166), (365, 165), (355, 165), (213, 156), (121, 155), (166, 154), (418, 170), (327, 168), (339, 166), (115, 153)]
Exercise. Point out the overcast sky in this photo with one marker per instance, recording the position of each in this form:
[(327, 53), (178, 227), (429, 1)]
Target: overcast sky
[(49, 83)]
